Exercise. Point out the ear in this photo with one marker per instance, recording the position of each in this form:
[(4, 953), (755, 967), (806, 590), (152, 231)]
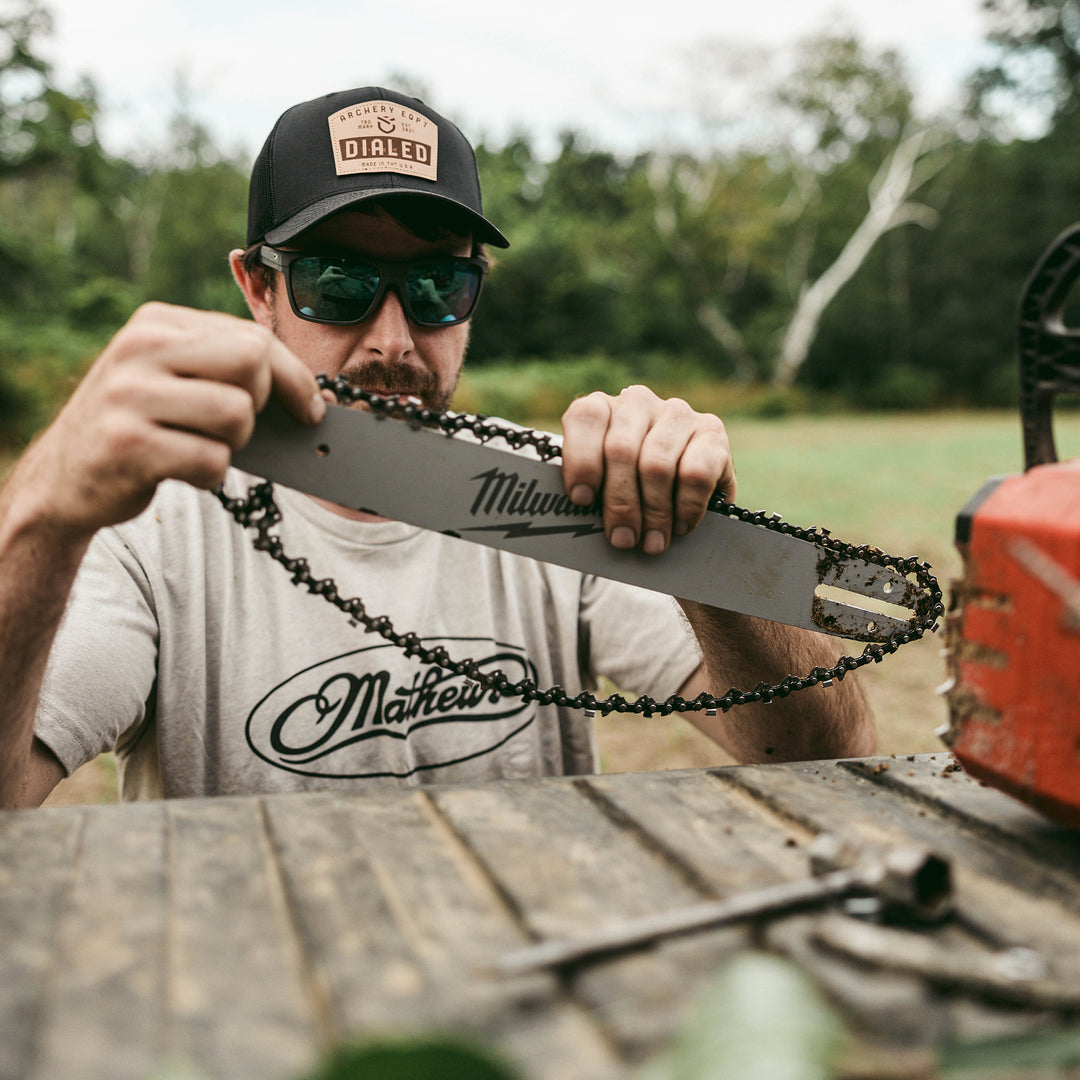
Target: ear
[(257, 293)]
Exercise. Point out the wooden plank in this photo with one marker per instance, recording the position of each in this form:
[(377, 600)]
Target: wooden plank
[(105, 1017), (241, 935), (721, 841), (940, 781), (642, 999), (561, 862), (840, 797), (567, 866), (736, 841), (894, 1020), (37, 853), (240, 1005), (963, 984), (402, 927), (724, 841)]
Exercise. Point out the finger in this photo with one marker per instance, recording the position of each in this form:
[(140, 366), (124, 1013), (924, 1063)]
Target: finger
[(584, 426), (295, 385), (185, 455), (210, 345), (215, 410), (662, 452), (631, 418), (134, 457), (706, 466)]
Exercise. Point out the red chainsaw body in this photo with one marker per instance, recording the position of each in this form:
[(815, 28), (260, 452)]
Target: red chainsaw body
[(1014, 639)]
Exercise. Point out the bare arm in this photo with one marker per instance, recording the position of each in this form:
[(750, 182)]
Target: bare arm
[(173, 395), (741, 651), (658, 463), (38, 567)]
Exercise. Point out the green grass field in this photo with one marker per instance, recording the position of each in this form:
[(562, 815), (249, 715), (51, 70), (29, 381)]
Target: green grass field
[(894, 481)]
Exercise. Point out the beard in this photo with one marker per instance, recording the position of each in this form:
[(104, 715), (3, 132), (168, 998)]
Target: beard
[(391, 378)]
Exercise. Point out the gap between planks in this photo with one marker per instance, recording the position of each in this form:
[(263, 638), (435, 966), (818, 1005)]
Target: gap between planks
[(471, 866), (647, 839), (316, 993)]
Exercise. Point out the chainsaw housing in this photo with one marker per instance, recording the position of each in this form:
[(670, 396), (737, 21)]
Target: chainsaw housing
[(1013, 639)]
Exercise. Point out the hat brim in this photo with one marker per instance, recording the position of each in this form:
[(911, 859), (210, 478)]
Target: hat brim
[(310, 216)]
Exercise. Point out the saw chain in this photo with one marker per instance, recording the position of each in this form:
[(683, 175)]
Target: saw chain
[(259, 512)]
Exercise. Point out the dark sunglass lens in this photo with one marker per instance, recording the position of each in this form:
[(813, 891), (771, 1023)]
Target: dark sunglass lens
[(333, 289), (442, 292)]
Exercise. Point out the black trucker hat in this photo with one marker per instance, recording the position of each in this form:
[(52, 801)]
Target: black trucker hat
[(336, 151)]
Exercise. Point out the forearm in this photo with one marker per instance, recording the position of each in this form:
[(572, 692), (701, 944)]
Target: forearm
[(813, 724), (38, 564)]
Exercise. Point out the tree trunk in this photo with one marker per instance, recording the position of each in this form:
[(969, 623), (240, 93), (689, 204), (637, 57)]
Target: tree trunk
[(896, 180)]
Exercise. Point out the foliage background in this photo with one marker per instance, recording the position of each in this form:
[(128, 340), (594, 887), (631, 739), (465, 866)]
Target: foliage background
[(675, 268)]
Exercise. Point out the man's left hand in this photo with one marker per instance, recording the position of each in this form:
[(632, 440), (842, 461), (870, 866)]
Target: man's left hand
[(656, 461)]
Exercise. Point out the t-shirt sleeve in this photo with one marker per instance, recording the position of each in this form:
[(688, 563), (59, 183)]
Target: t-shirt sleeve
[(636, 638), (100, 675)]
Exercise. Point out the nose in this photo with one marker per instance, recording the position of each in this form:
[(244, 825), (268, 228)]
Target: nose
[(387, 334)]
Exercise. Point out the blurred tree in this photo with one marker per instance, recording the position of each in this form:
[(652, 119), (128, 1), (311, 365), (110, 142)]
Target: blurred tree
[(719, 220), (559, 289), (49, 157), (40, 125), (780, 216), (907, 168), (858, 107), (1039, 58), (188, 212), (54, 180), (847, 157)]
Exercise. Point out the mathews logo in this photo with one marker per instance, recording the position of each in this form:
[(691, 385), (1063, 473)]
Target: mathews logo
[(375, 712), (505, 494)]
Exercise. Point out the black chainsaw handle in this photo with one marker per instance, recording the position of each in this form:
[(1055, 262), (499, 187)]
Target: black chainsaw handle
[(1049, 350)]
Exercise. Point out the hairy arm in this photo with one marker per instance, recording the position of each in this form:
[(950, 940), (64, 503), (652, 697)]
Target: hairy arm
[(742, 651), (174, 393), (38, 564)]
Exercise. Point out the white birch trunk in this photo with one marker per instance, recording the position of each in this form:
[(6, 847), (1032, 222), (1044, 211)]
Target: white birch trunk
[(894, 183)]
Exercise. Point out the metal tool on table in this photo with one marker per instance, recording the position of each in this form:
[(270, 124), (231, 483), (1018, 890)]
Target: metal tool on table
[(1014, 622), (909, 883), (1015, 975)]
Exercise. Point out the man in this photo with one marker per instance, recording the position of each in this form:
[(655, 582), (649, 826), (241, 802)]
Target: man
[(135, 615)]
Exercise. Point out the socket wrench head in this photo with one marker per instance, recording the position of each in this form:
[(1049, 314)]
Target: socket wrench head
[(912, 884)]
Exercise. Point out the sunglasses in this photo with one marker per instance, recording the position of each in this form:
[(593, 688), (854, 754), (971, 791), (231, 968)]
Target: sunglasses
[(346, 289)]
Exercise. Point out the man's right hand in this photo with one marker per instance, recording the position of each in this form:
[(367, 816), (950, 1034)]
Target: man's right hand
[(173, 395)]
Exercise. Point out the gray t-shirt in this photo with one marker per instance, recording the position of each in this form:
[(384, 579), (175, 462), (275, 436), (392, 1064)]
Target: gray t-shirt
[(198, 660)]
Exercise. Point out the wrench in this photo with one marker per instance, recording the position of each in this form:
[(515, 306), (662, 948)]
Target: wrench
[(910, 883)]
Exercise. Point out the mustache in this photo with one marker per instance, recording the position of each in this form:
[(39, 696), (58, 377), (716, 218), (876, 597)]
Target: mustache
[(388, 376)]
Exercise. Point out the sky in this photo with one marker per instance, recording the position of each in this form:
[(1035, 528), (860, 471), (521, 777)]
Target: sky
[(616, 72)]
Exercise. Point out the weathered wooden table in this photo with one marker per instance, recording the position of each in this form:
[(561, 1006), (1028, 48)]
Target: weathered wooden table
[(243, 936)]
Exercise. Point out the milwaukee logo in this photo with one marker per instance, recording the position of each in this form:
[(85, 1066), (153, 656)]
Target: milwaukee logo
[(505, 493)]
